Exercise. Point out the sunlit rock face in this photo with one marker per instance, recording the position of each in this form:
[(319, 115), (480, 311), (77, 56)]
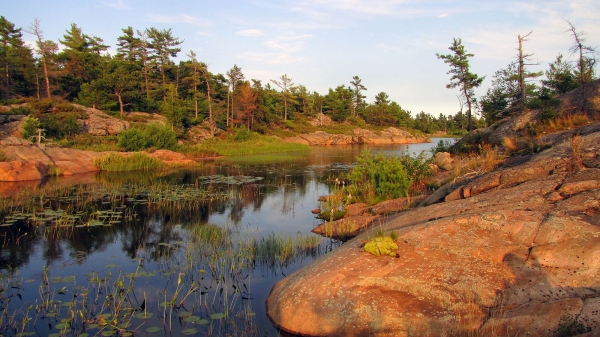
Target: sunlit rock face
[(360, 136), (514, 250)]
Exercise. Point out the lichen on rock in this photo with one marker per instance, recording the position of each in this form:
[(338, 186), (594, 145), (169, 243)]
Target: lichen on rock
[(381, 245)]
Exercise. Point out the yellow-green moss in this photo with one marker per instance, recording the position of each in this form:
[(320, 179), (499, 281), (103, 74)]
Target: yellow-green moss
[(381, 245)]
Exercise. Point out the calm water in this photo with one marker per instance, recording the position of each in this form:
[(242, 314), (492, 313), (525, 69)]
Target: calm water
[(83, 263)]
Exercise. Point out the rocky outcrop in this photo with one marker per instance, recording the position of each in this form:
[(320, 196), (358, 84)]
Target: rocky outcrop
[(100, 124), (360, 136), (34, 163), (516, 250), (321, 120), (443, 160)]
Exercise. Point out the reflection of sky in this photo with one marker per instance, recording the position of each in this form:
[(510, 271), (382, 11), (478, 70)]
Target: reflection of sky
[(280, 209)]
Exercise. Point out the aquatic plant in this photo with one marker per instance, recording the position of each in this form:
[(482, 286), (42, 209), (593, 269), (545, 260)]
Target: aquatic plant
[(114, 162)]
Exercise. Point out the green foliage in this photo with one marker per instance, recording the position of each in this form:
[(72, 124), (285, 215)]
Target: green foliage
[(381, 245), (442, 146), (59, 125), (418, 168), (258, 145), (30, 126), (151, 135), (132, 139), (378, 177), (20, 110), (117, 163), (160, 136), (242, 134)]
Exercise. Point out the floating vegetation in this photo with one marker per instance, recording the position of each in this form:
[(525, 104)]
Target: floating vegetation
[(191, 278)]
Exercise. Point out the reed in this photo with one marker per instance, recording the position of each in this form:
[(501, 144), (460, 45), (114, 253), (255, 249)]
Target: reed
[(138, 161)]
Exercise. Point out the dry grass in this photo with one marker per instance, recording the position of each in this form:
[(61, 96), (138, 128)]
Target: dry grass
[(474, 164), (561, 123), (576, 147)]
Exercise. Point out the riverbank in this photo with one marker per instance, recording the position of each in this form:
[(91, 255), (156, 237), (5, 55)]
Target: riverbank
[(515, 249)]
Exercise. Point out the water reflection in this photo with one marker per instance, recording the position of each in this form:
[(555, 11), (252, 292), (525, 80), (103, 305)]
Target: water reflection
[(279, 203)]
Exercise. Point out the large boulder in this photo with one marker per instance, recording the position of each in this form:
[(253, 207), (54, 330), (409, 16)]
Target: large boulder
[(517, 251), (100, 124)]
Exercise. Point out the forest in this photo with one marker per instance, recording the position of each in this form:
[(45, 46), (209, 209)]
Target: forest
[(144, 77)]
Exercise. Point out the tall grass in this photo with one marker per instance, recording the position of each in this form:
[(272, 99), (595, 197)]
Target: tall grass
[(115, 162), (257, 145)]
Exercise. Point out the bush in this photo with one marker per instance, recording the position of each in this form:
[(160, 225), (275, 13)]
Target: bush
[(132, 140), (242, 134), (160, 136), (378, 177), (30, 126), (151, 135), (59, 125)]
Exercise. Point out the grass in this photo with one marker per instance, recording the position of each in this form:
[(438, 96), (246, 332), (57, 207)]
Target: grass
[(116, 163), (477, 163), (258, 145), (559, 123), (88, 142)]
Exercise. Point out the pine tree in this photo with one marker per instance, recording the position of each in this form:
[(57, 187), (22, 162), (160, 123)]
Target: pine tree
[(461, 75)]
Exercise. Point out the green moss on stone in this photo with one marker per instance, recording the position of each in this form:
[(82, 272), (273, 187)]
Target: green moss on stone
[(381, 245)]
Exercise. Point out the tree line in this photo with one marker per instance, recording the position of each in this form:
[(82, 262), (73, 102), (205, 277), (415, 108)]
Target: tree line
[(143, 76), (512, 90)]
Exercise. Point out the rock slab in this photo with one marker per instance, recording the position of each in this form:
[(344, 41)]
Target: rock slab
[(518, 253)]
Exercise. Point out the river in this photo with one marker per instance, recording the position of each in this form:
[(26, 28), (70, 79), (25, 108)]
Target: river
[(137, 254)]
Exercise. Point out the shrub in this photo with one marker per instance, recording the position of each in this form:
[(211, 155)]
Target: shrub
[(242, 134), (30, 126), (160, 136), (418, 168), (151, 135), (59, 125), (378, 177), (132, 140)]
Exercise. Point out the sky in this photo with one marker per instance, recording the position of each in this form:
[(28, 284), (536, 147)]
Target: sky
[(390, 44)]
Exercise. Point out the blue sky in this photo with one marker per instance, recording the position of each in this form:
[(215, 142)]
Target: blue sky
[(389, 44)]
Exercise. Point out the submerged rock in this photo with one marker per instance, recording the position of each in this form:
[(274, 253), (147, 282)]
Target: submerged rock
[(515, 250)]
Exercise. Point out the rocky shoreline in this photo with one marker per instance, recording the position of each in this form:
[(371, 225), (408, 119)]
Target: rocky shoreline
[(516, 250), (390, 135)]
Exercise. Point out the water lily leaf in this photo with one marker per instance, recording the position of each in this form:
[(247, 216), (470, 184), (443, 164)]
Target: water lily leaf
[(184, 314), (153, 329), (218, 315), (202, 321), (189, 331), (62, 325), (109, 332), (142, 315)]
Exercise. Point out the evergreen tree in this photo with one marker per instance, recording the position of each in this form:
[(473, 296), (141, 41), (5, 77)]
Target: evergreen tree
[(358, 97), (16, 61), (163, 45), (560, 77), (461, 75), (235, 75), (285, 84)]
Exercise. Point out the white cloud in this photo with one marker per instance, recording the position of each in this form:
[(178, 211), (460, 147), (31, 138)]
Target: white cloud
[(273, 58), (181, 18), (117, 4), (445, 15), (250, 32), (285, 48)]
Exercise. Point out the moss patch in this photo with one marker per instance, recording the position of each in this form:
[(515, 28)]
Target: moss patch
[(381, 245)]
